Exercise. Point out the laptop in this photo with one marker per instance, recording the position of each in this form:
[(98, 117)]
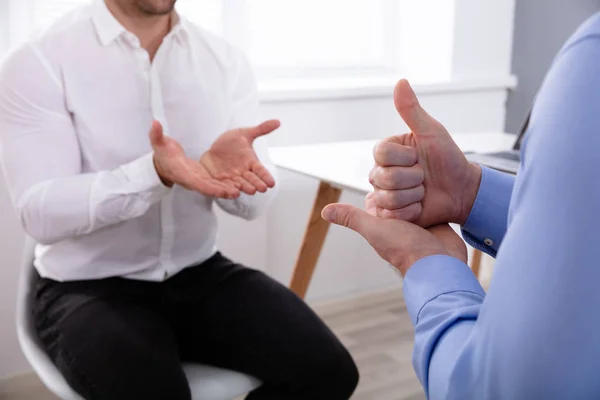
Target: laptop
[(506, 161)]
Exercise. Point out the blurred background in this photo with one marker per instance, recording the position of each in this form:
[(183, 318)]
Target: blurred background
[(326, 69)]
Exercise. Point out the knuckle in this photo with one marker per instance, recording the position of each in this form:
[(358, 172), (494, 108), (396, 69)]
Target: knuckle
[(412, 155), (373, 176), (347, 219), (389, 178), (392, 199), (382, 153)]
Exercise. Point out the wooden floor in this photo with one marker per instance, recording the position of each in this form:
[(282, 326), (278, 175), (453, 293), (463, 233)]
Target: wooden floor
[(375, 328)]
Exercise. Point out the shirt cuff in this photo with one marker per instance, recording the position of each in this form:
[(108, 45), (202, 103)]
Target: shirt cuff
[(434, 276), (142, 175), (486, 225)]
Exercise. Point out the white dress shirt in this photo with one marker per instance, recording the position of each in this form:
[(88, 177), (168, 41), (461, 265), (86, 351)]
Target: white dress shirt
[(76, 105)]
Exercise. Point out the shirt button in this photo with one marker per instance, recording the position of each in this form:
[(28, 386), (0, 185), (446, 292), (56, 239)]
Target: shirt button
[(488, 242)]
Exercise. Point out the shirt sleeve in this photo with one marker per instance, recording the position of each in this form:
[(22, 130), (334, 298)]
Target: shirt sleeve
[(41, 159), (486, 225), (535, 334), (244, 100)]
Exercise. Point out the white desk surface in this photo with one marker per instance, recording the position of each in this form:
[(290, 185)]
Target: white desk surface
[(346, 165)]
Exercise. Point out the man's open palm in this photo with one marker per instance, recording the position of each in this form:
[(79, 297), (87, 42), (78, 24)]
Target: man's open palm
[(230, 165), (231, 158)]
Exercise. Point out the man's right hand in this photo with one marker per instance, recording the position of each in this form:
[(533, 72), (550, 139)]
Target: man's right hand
[(422, 176), (174, 167)]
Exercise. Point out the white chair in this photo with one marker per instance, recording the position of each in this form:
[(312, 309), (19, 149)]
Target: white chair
[(206, 383)]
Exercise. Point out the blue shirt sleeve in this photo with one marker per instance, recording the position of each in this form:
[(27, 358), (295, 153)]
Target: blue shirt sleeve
[(486, 225), (535, 335)]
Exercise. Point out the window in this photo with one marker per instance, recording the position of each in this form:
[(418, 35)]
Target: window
[(290, 39)]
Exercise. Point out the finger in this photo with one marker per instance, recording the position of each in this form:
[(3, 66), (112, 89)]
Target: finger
[(255, 181), (351, 217), (211, 187), (263, 129), (410, 110), (214, 188), (396, 199), (410, 213), (263, 173), (387, 153), (396, 178), (157, 137), (232, 183), (370, 206), (244, 185)]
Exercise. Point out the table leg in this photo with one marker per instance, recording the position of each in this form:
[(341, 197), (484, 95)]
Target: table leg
[(476, 262), (314, 236)]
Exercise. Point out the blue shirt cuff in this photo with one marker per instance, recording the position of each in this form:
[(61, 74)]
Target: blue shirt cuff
[(486, 225), (434, 276)]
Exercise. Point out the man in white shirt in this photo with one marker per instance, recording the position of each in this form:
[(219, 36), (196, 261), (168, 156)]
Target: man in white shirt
[(131, 283)]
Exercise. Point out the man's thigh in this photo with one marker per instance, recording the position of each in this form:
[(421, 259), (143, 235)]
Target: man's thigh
[(108, 344), (251, 323)]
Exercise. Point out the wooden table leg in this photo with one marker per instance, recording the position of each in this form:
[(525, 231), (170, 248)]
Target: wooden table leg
[(314, 236), (476, 262)]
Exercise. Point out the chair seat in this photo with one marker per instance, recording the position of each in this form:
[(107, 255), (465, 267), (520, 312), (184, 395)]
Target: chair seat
[(206, 382), (212, 383)]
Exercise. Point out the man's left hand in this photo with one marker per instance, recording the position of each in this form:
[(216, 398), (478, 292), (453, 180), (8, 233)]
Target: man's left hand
[(231, 158), (398, 242)]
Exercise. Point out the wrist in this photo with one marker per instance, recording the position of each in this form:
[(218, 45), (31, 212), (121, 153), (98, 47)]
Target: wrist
[(161, 173), (414, 257), (470, 190)]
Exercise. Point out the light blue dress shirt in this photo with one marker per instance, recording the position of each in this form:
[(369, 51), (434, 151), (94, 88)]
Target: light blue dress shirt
[(536, 333)]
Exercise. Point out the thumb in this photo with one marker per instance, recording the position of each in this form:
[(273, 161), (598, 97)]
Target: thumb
[(157, 137), (263, 129), (351, 217), (410, 110)]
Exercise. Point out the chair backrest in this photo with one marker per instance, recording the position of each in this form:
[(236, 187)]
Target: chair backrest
[(26, 332), (25, 293)]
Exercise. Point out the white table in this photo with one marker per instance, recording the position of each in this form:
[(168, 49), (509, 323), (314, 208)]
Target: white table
[(346, 166)]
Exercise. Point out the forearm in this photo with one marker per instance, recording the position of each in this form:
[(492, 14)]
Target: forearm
[(486, 226), (443, 298), (56, 209)]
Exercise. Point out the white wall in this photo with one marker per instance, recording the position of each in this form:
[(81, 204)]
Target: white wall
[(347, 264)]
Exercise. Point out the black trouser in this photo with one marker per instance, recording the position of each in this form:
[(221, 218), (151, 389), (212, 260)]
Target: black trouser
[(123, 339)]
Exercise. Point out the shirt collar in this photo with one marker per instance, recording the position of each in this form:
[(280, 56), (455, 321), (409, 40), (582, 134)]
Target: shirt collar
[(179, 27), (109, 28)]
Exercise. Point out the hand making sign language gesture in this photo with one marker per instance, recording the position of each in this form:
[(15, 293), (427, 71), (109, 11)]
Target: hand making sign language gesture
[(421, 177), (228, 167)]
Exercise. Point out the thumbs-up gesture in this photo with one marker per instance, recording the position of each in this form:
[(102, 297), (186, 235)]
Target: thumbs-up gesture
[(228, 167), (422, 176)]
